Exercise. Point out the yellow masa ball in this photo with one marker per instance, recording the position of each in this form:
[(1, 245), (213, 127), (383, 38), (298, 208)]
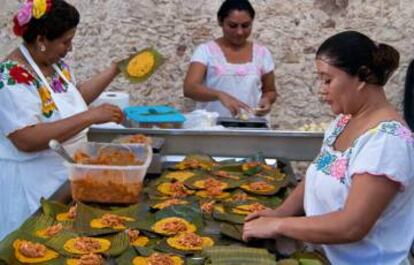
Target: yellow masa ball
[(141, 64)]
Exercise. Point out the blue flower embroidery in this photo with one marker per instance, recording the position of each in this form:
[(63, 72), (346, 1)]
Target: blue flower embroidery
[(324, 161)]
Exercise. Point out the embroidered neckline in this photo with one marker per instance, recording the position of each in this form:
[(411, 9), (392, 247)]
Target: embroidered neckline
[(392, 127), (56, 83), (224, 58)]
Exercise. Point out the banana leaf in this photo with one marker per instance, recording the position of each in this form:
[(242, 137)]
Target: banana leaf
[(127, 256), (310, 258), (122, 65), (7, 251), (165, 175), (53, 208), (119, 243), (39, 222), (191, 213), (288, 262), (85, 214), (228, 217), (230, 255), (233, 231)]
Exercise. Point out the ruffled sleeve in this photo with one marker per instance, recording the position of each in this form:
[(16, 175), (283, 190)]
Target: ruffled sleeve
[(200, 55), (387, 150), (20, 104)]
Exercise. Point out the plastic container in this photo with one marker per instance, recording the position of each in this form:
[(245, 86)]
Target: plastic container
[(106, 183), (165, 117)]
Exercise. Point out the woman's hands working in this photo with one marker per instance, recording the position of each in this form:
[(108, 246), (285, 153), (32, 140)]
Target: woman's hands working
[(36, 137)]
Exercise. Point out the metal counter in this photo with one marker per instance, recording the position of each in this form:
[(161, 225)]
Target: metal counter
[(291, 145)]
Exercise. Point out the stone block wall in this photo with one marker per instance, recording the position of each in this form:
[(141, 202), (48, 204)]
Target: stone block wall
[(292, 30)]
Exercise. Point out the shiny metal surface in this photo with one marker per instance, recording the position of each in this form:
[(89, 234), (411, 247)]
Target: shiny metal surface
[(291, 145)]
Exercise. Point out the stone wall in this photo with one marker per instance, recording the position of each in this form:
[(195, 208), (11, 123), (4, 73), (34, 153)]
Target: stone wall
[(292, 30)]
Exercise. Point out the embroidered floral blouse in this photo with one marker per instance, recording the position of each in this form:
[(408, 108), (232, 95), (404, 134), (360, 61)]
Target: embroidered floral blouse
[(384, 151), (25, 101)]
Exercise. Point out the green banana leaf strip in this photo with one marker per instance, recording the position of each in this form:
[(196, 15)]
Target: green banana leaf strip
[(234, 167), (127, 256), (306, 258), (122, 65), (229, 255), (85, 214), (288, 262), (232, 231), (7, 251)]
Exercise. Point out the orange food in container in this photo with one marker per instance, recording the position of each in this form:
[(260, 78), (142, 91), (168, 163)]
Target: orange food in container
[(108, 173)]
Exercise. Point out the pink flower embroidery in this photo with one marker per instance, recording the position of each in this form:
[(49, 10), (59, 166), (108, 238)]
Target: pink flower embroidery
[(344, 120), (338, 168), (25, 14), (405, 133), (219, 70), (241, 71)]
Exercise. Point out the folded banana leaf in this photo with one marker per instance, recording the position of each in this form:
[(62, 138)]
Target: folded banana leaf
[(230, 255), (85, 215), (127, 256), (157, 61), (231, 230), (228, 217), (7, 252), (53, 208), (119, 243)]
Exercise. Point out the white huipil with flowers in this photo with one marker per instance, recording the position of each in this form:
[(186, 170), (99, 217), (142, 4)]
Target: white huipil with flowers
[(384, 151), (242, 81), (26, 101)]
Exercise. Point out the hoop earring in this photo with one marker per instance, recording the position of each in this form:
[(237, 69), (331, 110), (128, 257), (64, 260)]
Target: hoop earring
[(42, 48)]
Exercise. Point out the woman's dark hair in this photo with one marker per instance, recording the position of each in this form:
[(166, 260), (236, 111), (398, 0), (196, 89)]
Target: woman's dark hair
[(358, 55), (230, 5), (409, 96), (53, 24)]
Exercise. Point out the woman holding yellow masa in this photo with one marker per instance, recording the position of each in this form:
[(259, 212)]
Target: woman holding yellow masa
[(231, 75), (39, 101)]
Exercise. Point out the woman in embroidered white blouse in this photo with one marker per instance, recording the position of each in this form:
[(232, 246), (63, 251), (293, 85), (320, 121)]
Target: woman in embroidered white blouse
[(357, 199), (231, 74)]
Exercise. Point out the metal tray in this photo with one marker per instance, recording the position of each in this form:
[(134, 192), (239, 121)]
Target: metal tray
[(256, 122)]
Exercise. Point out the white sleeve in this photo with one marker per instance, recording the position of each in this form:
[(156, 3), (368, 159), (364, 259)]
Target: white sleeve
[(385, 151), (200, 55), (268, 63), (19, 107)]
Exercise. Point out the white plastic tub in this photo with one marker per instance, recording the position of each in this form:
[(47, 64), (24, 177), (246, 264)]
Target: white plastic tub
[(106, 183)]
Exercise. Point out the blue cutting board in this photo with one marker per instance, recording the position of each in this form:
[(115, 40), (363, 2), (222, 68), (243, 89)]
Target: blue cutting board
[(154, 114)]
